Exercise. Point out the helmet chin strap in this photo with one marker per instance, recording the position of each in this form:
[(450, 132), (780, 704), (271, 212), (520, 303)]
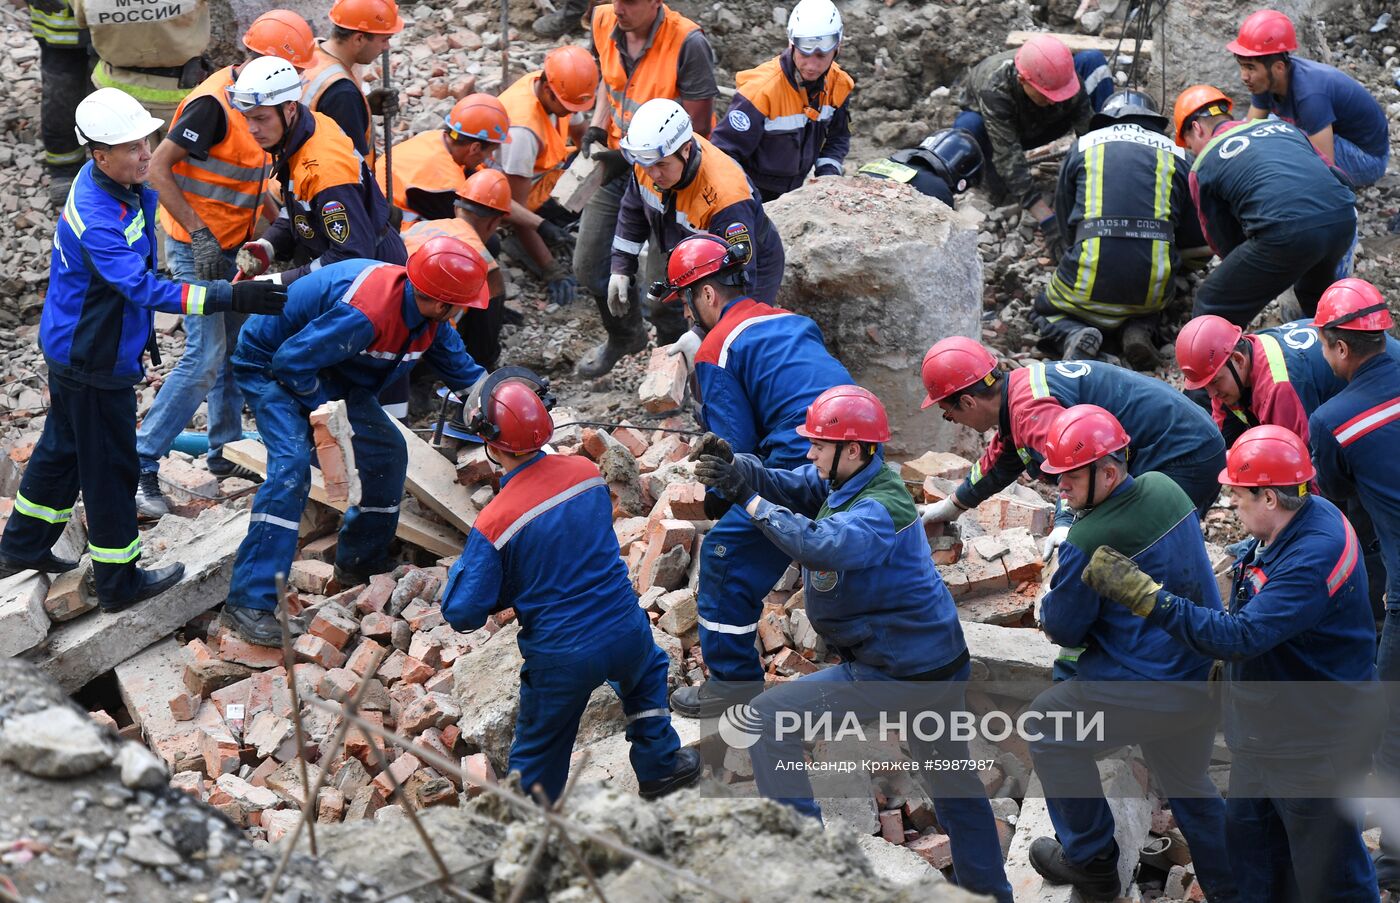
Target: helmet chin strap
[(692, 166)]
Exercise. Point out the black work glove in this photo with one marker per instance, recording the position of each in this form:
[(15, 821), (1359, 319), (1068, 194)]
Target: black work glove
[(562, 289), (383, 102), (595, 134), (395, 217), (710, 444), (556, 236), (723, 477), (255, 296), (210, 264)]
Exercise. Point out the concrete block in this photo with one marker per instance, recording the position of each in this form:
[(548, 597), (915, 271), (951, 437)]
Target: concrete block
[(1017, 660), (578, 183), (23, 622), (335, 452)]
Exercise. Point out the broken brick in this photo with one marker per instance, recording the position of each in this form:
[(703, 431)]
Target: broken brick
[(184, 705), (358, 746), (363, 656), (473, 466), (375, 596), (204, 676), (220, 751), (892, 825), (663, 385), (367, 801), (334, 626), (398, 772), (330, 805), (771, 631), (687, 500), (479, 773), (310, 648), (415, 671), (422, 614), (630, 439), (936, 850), (233, 648), (310, 576), (435, 710)]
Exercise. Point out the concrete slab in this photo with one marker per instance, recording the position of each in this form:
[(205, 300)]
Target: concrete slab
[(1017, 660)]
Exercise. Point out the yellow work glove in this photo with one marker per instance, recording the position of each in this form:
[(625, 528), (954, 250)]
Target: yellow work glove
[(1113, 575)]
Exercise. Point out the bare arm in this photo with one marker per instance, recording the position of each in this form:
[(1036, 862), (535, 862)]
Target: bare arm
[(602, 110), (1323, 142), (1256, 113), (162, 179), (702, 115)]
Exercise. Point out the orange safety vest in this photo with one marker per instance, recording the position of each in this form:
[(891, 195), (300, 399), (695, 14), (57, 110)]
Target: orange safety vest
[(326, 160), (526, 111), (324, 71), (226, 188), (719, 183), (422, 162), (420, 232), (656, 72), (787, 108)]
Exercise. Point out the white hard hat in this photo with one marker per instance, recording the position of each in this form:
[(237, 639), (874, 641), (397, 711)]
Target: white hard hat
[(111, 116), (660, 128), (265, 82), (815, 26)]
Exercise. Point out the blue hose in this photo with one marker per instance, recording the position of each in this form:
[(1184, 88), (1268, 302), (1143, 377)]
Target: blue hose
[(192, 443)]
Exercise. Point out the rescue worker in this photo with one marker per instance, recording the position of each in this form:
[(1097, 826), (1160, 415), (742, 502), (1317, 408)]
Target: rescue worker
[(569, 17), (64, 77), (210, 175), (156, 58), (683, 185), (645, 50), (757, 369), (1149, 690), (544, 546), (874, 595), (540, 105), (1298, 613), (478, 212), (332, 209), (1340, 117), (349, 329), (361, 31), (1170, 433), (1275, 212), (97, 325), (440, 160), (1352, 436), (1023, 98), (945, 164), (790, 116), (1124, 213)]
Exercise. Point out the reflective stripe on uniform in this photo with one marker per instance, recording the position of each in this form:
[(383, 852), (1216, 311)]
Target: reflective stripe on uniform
[(552, 502), (1273, 353), (262, 517), (59, 29), (827, 161), (1040, 386), (101, 555), (1365, 422), (1161, 250), (230, 170), (42, 512), (163, 96), (723, 357), (193, 299), (75, 219), (632, 248), (66, 159), (731, 629), (333, 72), (365, 509), (648, 713), (221, 193), (135, 228), (1093, 208), (1347, 563), (1070, 653)]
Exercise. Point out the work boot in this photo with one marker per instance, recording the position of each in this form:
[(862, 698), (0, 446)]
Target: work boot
[(1387, 869), (1082, 344), (60, 182), (559, 23), (1097, 880), (150, 501), (711, 698), (1138, 348), (221, 467), (49, 564), (255, 625), (602, 358), (152, 584), (689, 767)]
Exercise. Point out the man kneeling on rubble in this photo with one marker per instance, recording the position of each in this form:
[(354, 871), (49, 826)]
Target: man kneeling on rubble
[(873, 594), (544, 546)]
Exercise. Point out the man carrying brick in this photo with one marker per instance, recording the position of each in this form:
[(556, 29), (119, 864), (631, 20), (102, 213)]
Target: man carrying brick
[(349, 329), (1149, 690), (757, 369), (874, 595), (544, 546)]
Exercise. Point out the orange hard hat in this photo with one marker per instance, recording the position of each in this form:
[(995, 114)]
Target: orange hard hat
[(1264, 33), (1353, 303), (1048, 66), (1203, 346), (282, 33), (448, 270), (953, 364), (1268, 455), (1196, 99), (369, 16), (489, 188), (572, 75), (480, 117)]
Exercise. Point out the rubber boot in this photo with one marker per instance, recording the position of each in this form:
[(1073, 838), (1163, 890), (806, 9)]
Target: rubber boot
[(1138, 348)]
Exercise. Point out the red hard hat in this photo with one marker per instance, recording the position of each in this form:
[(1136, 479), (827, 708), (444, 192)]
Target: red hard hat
[(1081, 435), (1203, 346), (698, 257), (520, 416), (1268, 455), (1046, 63), (282, 33), (846, 414), (448, 270), (952, 365), (1263, 33), (1352, 303)]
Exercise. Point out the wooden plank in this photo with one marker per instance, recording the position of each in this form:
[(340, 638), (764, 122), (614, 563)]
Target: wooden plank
[(433, 481), (1078, 42), (426, 535)]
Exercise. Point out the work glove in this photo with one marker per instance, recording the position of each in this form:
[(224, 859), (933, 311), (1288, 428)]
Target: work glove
[(1052, 542), (209, 262), (723, 477), (712, 446), (619, 294), (561, 285), (686, 346), (258, 297), (595, 134), (940, 512), (1054, 242), (254, 257), (383, 102), (1113, 575), (556, 236)]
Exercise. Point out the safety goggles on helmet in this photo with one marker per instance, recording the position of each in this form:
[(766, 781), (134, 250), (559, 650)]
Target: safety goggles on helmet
[(246, 101), (643, 156), (810, 44), (728, 269)]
